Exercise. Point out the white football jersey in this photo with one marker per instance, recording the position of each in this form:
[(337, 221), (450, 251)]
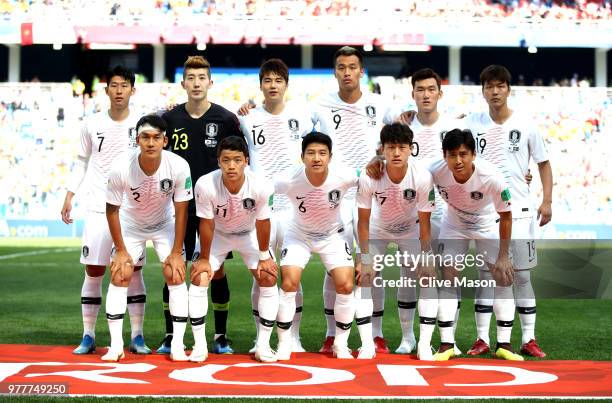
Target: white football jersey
[(147, 201), (394, 206), (472, 205), (427, 145), (316, 210), (102, 140), (275, 141), (354, 128), (509, 147), (234, 214)]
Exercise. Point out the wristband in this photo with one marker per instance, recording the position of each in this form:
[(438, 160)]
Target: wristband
[(264, 255)]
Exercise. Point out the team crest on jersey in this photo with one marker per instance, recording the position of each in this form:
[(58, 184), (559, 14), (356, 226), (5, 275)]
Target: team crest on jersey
[(514, 136), (294, 125), (85, 251), (165, 185), (212, 129), (409, 194), (248, 204), (132, 136), (476, 195), (334, 197), (371, 112)]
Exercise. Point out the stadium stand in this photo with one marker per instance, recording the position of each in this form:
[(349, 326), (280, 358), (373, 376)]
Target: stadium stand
[(38, 118), (125, 11)]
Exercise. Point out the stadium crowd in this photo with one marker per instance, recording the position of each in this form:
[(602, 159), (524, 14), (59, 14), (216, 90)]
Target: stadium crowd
[(40, 124), (140, 10)]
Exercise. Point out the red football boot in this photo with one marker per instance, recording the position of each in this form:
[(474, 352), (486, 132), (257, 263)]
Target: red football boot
[(532, 349), (381, 345), (479, 347), (326, 348)]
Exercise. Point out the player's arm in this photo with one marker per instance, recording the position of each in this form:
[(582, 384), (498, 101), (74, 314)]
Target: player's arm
[(201, 266), (77, 174), (175, 258), (266, 263), (545, 209), (503, 272), (122, 258)]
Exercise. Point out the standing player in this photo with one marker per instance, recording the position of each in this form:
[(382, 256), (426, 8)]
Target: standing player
[(396, 208), (233, 206), (353, 119), (477, 197), (274, 134), (105, 135), (429, 128), (194, 130), (509, 139), (316, 192), (147, 198)]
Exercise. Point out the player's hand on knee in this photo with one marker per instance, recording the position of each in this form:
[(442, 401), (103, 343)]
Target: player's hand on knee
[(266, 266), (375, 167), (177, 267), (425, 270), (364, 274), (503, 272), (121, 267), (200, 268)]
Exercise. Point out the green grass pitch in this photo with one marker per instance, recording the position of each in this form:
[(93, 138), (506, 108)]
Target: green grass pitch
[(40, 291)]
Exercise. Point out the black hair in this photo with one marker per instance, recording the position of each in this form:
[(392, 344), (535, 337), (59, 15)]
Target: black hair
[(233, 143), (456, 138), (316, 137), (276, 66), (154, 120), (495, 72), (122, 72), (424, 74), (396, 133), (348, 51)]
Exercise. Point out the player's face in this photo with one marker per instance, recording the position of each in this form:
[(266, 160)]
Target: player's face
[(232, 164), (396, 155), (316, 157), (151, 143), (496, 93), (196, 83), (348, 72), (119, 91), (426, 94), (273, 87), (460, 161)]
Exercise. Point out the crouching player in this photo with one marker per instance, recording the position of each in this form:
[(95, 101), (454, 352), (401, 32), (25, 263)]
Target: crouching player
[(147, 196), (477, 199), (396, 208), (233, 206), (316, 191)]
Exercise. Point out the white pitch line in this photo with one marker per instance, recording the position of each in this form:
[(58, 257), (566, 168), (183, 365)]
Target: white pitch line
[(35, 253)]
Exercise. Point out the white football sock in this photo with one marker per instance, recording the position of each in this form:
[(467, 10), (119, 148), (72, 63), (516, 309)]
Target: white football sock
[(286, 310), (525, 304), (254, 302), (503, 306), (483, 307), (406, 303), (179, 309), (116, 301), (91, 300), (268, 311), (136, 301), (428, 311), (297, 318), (198, 308), (344, 312), (363, 314), (447, 308), (329, 298)]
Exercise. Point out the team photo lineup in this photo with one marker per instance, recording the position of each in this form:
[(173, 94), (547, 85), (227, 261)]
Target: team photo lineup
[(345, 177)]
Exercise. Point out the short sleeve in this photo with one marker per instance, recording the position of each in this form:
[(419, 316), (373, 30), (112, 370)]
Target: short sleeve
[(263, 203), (537, 148), (426, 196), (114, 188), (203, 202), (500, 194), (183, 189), (85, 143), (364, 193)]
